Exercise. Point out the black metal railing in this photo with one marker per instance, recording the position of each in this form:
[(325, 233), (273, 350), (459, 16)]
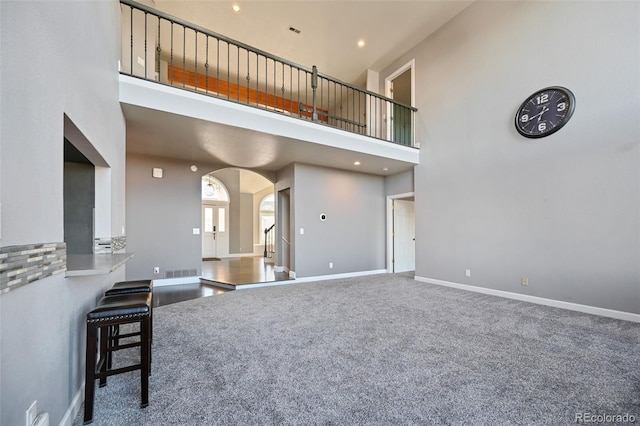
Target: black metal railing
[(269, 241), (160, 47)]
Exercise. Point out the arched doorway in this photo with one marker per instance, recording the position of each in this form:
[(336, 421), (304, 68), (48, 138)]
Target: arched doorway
[(250, 205), (238, 196)]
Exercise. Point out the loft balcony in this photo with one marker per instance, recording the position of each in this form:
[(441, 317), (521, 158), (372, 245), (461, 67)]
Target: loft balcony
[(190, 93)]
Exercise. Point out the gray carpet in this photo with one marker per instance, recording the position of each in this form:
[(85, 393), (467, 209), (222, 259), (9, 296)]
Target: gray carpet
[(377, 350)]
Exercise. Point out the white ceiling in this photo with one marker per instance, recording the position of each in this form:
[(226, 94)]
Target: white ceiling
[(329, 29), (328, 39)]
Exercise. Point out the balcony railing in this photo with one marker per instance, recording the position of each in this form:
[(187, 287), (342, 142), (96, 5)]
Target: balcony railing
[(168, 50)]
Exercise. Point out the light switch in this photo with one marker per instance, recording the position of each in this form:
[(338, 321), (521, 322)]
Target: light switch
[(301, 231)]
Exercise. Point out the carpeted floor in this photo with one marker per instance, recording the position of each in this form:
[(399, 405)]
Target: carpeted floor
[(377, 350)]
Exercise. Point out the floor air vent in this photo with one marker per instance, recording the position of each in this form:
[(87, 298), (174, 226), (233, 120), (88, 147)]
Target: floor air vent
[(179, 273)]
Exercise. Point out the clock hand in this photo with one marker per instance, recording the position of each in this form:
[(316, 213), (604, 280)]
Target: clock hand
[(539, 115), (544, 109)]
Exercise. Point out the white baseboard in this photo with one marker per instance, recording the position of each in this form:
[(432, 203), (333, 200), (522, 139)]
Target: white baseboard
[(594, 310), (339, 276), (313, 279), (74, 408)]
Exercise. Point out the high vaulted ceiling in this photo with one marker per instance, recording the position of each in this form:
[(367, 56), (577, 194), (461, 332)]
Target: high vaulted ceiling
[(329, 29), (329, 32)]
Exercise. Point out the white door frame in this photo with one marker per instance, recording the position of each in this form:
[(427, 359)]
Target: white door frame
[(390, 199), (388, 83), (284, 234)]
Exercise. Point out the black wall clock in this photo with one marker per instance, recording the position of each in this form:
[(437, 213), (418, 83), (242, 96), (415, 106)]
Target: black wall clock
[(545, 112)]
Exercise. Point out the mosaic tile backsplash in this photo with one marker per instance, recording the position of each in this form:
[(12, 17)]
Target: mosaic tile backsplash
[(21, 265), (110, 245)]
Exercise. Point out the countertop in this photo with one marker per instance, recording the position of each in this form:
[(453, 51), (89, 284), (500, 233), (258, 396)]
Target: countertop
[(95, 264)]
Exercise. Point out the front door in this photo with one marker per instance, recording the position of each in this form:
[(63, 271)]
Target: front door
[(215, 238)]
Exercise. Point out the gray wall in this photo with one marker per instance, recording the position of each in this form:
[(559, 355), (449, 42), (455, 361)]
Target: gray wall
[(401, 183), (161, 215), (230, 178), (240, 212), (353, 236), (285, 217), (246, 223), (562, 210), (51, 67)]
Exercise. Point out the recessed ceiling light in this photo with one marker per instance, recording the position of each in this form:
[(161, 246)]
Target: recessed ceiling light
[(357, 163), (361, 43), (385, 169), (236, 8)]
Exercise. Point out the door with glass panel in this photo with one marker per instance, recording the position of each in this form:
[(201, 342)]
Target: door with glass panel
[(215, 224)]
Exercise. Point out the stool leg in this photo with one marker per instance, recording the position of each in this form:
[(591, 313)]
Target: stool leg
[(105, 357), (114, 340), (145, 359), (150, 333), (90, 369)]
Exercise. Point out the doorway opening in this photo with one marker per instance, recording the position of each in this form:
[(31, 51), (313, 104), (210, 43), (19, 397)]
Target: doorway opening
[(267, 223), (400, 86), (238, 207), (87, 196), (283, 244)]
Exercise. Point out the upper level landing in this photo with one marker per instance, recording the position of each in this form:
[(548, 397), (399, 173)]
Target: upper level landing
[(171, 122), (192, 94)]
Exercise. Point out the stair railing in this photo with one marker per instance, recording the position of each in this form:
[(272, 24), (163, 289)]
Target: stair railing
[(162, 48), (269, 241)]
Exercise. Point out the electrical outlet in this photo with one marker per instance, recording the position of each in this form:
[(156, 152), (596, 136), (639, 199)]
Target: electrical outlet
[(467, 272), (525, 281), (330, 265), (156, 270), (31, 414)]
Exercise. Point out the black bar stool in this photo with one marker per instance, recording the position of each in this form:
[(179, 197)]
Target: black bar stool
[(113, 311), (129, 287), (126, 287)]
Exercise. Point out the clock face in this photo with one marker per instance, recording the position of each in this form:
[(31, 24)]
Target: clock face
[(545, 112)]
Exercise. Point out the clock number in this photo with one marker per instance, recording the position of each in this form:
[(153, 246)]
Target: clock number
[(542, 98), (562, 106), (524, 118), (542, 127)]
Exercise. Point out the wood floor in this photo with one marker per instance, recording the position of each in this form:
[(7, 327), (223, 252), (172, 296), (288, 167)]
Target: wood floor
[(236, 271), (166, 295), (218, 277)]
